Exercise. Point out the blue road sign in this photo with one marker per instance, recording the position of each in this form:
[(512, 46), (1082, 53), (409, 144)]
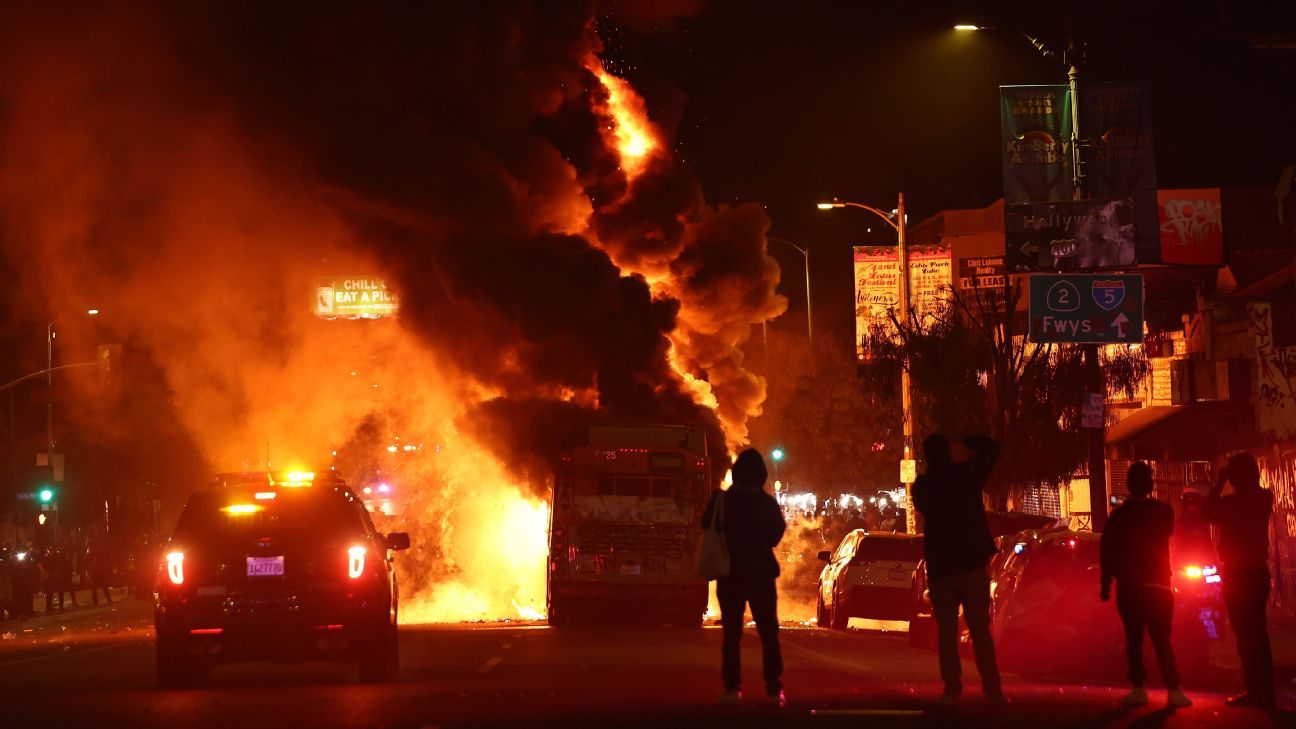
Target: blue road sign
[(1086, 308)]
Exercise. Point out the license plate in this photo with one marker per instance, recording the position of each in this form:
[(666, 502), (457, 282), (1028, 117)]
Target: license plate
[(898, 575), (630, 569), (265, 566)]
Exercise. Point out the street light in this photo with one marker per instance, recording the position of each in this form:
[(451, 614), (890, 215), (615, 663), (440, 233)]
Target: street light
[(906, 385), (1071, 59), (49, 382), (965, 26), (805, 253)]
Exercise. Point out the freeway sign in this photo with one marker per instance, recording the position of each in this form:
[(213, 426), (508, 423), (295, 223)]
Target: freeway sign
[(1086, 308)]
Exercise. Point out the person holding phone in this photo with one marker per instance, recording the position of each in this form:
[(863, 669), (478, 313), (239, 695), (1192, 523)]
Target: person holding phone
[(1243, 520)]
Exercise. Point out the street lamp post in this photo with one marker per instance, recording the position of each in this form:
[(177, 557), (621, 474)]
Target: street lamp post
[(906, 385), (49, 383), (1092, 365), (805, 253)]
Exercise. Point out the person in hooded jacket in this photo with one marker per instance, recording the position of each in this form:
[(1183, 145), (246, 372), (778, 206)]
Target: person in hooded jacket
[(752, 524)]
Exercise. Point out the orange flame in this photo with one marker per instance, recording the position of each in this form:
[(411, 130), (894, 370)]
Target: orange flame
[(635, 137)]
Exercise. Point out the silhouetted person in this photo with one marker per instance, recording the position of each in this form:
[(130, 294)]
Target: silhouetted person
[(1136, 554), (958, 547), (1243, 520), (753, 525)]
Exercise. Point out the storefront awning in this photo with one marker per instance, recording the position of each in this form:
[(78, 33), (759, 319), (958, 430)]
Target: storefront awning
[(1199, 431)]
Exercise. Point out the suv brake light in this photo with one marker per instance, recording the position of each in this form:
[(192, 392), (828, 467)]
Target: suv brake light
[(355, 562), (175, 567)]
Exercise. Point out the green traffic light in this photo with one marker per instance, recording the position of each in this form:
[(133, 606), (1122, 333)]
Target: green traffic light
[(46, 495), (777, 454)]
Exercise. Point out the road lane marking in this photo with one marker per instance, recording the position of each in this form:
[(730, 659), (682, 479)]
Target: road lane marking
[(492, 662), (866, 712), (61, 653), (506, 646)]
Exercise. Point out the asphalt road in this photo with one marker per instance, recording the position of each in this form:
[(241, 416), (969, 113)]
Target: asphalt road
[(94, 667)]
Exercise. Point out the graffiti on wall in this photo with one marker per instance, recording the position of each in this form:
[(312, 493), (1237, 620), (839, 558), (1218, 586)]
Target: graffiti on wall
[(1276, 377)]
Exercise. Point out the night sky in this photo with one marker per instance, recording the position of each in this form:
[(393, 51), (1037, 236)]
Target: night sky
[(786, 104)]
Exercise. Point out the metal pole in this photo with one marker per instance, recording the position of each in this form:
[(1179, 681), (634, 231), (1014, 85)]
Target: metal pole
[(49, 407), (805, 253), (906, 385), (1092, 364), (49, 403)]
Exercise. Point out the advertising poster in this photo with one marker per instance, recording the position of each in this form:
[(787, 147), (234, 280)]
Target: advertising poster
[(1192, 227), (354, 297), (1117, 117), (1035, 138), (1075, 235), (986, 272), (877, 292)]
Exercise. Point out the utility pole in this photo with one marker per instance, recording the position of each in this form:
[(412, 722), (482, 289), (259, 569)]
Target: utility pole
[(1092, 362), (902, 313), (906, 385)]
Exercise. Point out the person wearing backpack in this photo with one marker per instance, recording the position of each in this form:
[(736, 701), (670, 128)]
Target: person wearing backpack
[(752, 525)]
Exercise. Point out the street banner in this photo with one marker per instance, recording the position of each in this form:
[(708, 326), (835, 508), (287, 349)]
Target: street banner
[(877, 292), (1035, 129), (877, 288), (354, 297), (1192, 227), (1074, 235), (1086, 308), (931, 274), (1117, 118)]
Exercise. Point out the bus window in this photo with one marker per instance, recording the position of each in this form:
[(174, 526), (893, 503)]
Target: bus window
[(632, 486), (663, 487), (607, 486)]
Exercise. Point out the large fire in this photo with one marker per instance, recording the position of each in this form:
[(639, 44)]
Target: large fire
[(197, 195), (634, 136)]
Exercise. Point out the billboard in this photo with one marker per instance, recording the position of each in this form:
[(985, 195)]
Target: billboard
[(1117, 117), (984, 272), (354, 297), (1192, 227), (877, 288), (1073, 235), (1035, 129)]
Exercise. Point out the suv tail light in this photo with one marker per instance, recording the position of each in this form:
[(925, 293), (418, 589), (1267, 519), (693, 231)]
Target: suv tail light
[(1208, 573), (175, 567), (355, 562)]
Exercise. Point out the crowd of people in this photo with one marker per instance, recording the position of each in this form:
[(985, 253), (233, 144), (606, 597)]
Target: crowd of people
[(1135, 559), (53, 575)]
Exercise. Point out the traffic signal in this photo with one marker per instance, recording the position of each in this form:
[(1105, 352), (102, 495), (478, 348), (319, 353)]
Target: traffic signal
[(777, 454), (46, 495)]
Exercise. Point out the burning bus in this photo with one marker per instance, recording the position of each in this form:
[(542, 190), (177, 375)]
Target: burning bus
[(626, 518)]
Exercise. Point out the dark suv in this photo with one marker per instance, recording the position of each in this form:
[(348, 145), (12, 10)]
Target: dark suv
[(280, 567)]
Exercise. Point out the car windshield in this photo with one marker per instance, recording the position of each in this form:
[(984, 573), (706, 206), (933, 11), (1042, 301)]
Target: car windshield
[(906, 550), (301, 516)]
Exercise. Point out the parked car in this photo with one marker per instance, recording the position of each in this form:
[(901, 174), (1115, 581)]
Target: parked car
[(1003, 524), (869, 575)]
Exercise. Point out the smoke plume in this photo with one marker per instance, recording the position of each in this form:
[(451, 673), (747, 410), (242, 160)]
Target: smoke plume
[(193, 169)]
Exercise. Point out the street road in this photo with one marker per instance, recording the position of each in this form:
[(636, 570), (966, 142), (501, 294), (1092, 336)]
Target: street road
[(94, 667)]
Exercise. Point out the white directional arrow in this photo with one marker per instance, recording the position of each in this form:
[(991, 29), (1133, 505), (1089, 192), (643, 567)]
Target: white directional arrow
[(1119, 322)]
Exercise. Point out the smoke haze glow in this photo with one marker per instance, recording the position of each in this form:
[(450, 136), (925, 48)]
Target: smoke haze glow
[(554, 265)]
